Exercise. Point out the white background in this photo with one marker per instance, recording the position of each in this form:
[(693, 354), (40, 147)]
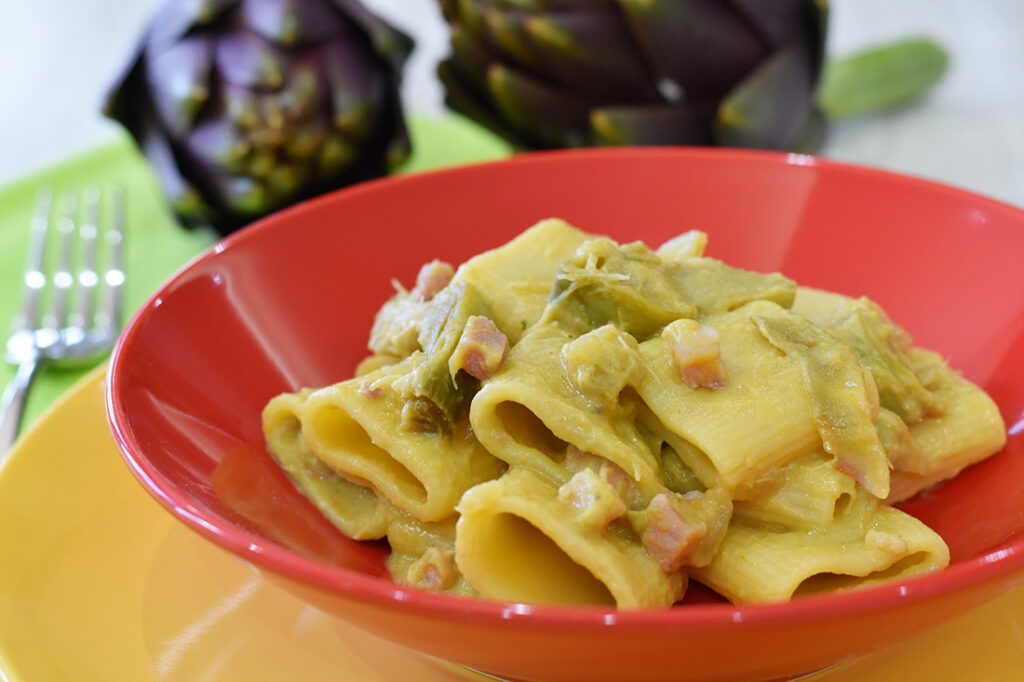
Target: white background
[(57, 58)]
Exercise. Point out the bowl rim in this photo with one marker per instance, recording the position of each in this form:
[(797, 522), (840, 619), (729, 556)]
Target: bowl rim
[(1006, 558)]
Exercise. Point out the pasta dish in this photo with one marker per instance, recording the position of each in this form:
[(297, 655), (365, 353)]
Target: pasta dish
[(567, 419)]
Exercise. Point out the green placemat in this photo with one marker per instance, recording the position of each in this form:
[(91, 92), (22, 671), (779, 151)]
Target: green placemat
[(155, 245)]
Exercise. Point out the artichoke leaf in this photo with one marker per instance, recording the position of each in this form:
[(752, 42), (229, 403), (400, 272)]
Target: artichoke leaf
[(245, 59), (769, 108), (841, 392), (590, 50), (673, 32), (651, 124), (294, 23), (715, 287), (547, 115), (607, 284), (881, 346), (431, 377), (881, 78), (183, 70)]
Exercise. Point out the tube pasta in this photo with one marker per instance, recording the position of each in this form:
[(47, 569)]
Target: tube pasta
[(531, 411), (567, 419), (518, 540), (356, 509), (760, 419), (866, 542), (355, 428)]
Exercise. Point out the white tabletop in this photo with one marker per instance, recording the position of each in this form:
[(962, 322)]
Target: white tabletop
[(57, 58)]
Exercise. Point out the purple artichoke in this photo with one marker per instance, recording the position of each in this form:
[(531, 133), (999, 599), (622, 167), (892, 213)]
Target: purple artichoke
[(245, 106), (564, 73)]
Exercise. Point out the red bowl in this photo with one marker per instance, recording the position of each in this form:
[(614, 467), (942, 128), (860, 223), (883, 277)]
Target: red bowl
[(289, 301)]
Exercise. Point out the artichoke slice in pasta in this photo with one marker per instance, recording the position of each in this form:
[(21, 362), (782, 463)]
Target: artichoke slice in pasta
[(845, 400)]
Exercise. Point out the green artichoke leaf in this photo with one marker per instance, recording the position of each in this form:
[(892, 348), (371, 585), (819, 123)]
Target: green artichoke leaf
[(881, 347), (836, 382), (714, 287), (607, 284), (881, 78), (430, 378)]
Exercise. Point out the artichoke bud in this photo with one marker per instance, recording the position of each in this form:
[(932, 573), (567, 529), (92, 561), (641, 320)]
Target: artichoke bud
[(559, 73), (234, 103)]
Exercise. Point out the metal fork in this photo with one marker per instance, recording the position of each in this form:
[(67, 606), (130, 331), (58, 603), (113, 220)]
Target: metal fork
[(71, 312)]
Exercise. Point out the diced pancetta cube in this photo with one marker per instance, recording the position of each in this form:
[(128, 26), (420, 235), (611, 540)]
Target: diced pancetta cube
[(481, 348), (696, 353), (370, 390), (432, 277), (668, 536), (597, 503)]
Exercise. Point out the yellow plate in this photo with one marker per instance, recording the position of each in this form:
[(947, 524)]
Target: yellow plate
[(97, 582)]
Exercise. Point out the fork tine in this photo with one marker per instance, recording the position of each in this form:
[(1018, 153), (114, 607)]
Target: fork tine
[(34, 280), (108, 317), (80, 318), (62, 278)]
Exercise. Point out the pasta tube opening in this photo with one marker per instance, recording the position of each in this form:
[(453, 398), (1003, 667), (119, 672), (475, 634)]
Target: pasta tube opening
[(528, 430), (835, 582), (357, 510), (335, 429), (518, 562)]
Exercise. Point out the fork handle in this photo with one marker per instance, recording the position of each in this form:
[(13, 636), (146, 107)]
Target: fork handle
[(12, 404)]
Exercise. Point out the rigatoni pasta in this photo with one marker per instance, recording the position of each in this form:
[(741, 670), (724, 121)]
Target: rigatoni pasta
[(568, 419)]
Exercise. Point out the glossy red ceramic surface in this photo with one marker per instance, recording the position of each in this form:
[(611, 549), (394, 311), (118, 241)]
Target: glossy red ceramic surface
[(289, 301)]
